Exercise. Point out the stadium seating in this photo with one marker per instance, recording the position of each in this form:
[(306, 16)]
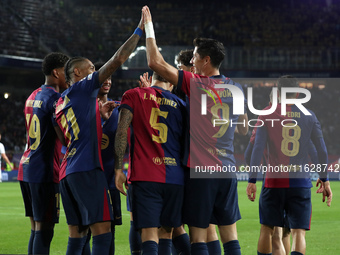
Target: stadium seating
[(96, 30)]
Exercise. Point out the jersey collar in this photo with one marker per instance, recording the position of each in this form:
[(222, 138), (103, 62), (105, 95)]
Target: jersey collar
[(220, 76), (158, 88)]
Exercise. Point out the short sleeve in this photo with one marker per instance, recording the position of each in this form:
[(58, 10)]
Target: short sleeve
[(184, 81), (128, 100), (89, 83)]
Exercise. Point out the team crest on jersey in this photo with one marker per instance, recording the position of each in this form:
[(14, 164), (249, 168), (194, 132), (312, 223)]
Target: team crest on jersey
[(157, 160), (25, 160), (89, 77)]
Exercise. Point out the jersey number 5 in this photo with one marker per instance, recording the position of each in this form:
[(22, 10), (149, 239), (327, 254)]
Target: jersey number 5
[(161, 127)]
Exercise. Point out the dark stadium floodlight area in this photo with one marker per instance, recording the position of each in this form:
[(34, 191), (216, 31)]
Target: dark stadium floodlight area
[(270, 3), (304, 82), (20, 62), (19, 80), (307, 37)]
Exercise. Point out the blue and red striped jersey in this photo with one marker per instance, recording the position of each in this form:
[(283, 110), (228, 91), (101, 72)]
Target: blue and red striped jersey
[(288, 142), (210, 145), (156, 135), (77, 114), (41, 161)]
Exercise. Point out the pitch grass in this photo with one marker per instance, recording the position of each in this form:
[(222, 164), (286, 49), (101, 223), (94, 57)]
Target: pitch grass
[(322, 239)]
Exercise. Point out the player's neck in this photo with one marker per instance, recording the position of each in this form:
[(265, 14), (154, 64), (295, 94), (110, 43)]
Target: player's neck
[(50, 82), (210, 72), (162, 85)]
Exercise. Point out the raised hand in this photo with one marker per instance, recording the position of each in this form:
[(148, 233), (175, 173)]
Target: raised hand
[(106, 109), (147, 14), (141, 22), (145, 80)]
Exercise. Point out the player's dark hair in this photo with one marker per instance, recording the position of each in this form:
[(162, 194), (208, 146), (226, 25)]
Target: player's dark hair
[(157, 77), (212, 48), (184, 57), (70, 65), (52, 61), (287, 81)]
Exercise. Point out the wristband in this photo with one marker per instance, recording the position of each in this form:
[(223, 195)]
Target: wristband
[(149, 32), (138, 31)]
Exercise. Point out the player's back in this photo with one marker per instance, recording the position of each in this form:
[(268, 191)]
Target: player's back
[(78, 117), (43, 152), (212, 132), (156, 134), (288, 140)]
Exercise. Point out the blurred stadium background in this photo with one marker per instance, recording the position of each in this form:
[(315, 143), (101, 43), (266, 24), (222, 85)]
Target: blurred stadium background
[(264, 39)]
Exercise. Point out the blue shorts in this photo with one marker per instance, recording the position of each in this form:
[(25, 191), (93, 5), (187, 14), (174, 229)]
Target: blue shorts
[(86, 198), (210, 201), (42, 201), (26, 195), (285, 219), (116, 206), (156, 204), (286, 222), (294, 202)]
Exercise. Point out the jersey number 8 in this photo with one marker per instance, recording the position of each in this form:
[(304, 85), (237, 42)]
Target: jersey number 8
[(290, 138)]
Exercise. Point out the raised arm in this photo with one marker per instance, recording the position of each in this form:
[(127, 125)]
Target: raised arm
[(155, 59), (122, 53), (125, 118)]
